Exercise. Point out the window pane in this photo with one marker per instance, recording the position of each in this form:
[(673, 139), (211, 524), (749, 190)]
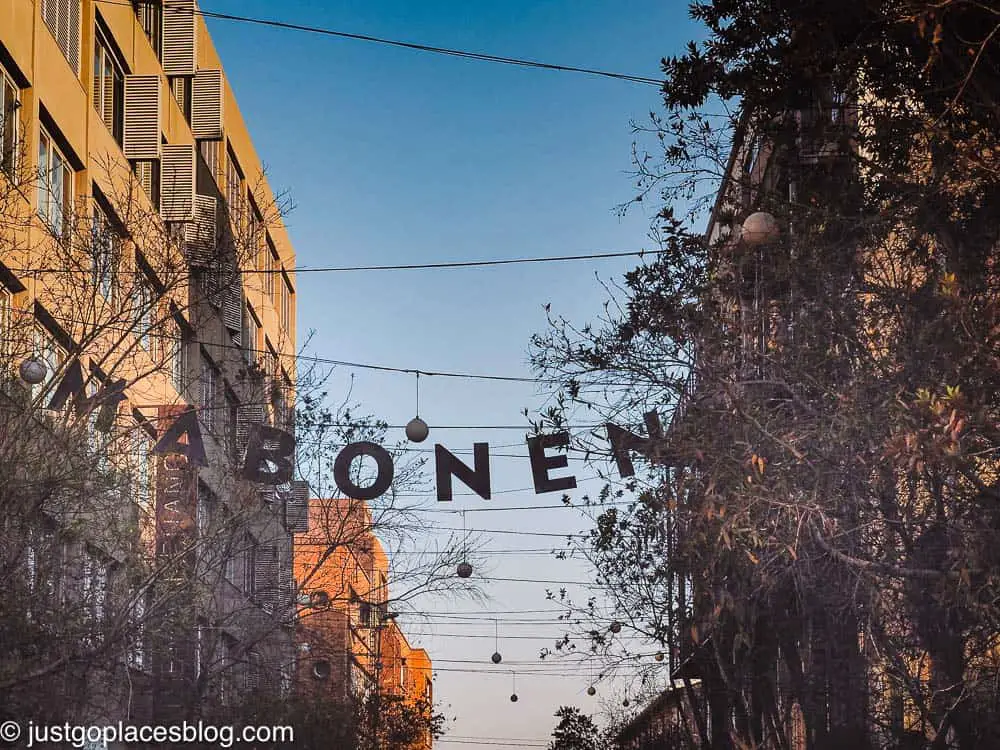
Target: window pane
[(43, 181), (56, 192), (8, 123)]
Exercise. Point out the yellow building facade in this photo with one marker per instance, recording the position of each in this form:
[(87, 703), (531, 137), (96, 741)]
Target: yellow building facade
[(140, 240)]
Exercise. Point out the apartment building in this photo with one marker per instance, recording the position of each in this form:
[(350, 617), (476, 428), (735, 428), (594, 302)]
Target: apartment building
[(140, 242), (351, 648), (818, 663), (667, 721)]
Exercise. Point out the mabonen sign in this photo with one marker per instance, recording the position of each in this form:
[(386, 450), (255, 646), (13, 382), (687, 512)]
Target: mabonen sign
[(270, 450)]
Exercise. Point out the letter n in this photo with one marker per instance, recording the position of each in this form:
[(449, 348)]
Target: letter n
[(623, 441), (447, 465)]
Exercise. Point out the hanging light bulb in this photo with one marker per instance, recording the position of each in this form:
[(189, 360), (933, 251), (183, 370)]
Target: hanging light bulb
[(417, 429), (464, 569), (32, 370), (496, 658), (760, 228)]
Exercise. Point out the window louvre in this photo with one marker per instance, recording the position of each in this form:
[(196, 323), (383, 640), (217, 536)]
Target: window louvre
[(142, 117), (232, 303), (247, 415), (72, 48), (63, 19), (297, 507), (206, 106), (179, 37), (200, 234), (266, 573), (177, 182)]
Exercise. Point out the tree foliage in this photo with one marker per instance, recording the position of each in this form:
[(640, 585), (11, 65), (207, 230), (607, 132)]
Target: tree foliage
[(575, 731), (819, 540)]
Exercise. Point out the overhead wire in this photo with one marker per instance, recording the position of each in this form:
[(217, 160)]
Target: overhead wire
[(451, 52), (347, 363), (396, 267)]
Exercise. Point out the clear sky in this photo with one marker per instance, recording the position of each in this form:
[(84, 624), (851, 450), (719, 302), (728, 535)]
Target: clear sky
[(394, 156)]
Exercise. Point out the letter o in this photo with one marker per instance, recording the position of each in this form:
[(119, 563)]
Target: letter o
[(342, 466)]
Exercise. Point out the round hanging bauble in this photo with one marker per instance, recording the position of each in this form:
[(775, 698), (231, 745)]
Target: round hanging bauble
[(464, 570), (616, 627), (759, 229), (496, 658), (32, 370), (659, 656), (417, 430), (591, 690), (625, 703), (513, 697)]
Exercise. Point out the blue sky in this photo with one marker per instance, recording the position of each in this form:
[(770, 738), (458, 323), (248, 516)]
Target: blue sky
[(394, 156)]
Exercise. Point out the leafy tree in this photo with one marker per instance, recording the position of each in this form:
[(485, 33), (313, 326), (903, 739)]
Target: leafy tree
[(575, 731)]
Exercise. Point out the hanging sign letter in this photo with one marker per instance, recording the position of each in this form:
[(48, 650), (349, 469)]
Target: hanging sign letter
[(623, 441), (269, 445), (342, 470), (185, 424), (446, 465), (541, 464)]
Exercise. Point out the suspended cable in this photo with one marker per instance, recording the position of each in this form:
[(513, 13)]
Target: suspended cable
[(345, 363), (481, 56)]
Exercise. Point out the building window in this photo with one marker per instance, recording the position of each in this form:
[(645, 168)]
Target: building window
[(95, 585), (55, 186), (147, 174), (63, 19), (105, 245), (251, 343), (256, 246), (209, 383), (150, 15), (208, 503), (270, 258), (142, 492), (250, 566), (137, 648), (144, 300), (178, 356), (6, 329), (232, 415), (109, 86), (287, 302), (235, 189), (209, 151), (51, 354), (10, 102), (180, 87)]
